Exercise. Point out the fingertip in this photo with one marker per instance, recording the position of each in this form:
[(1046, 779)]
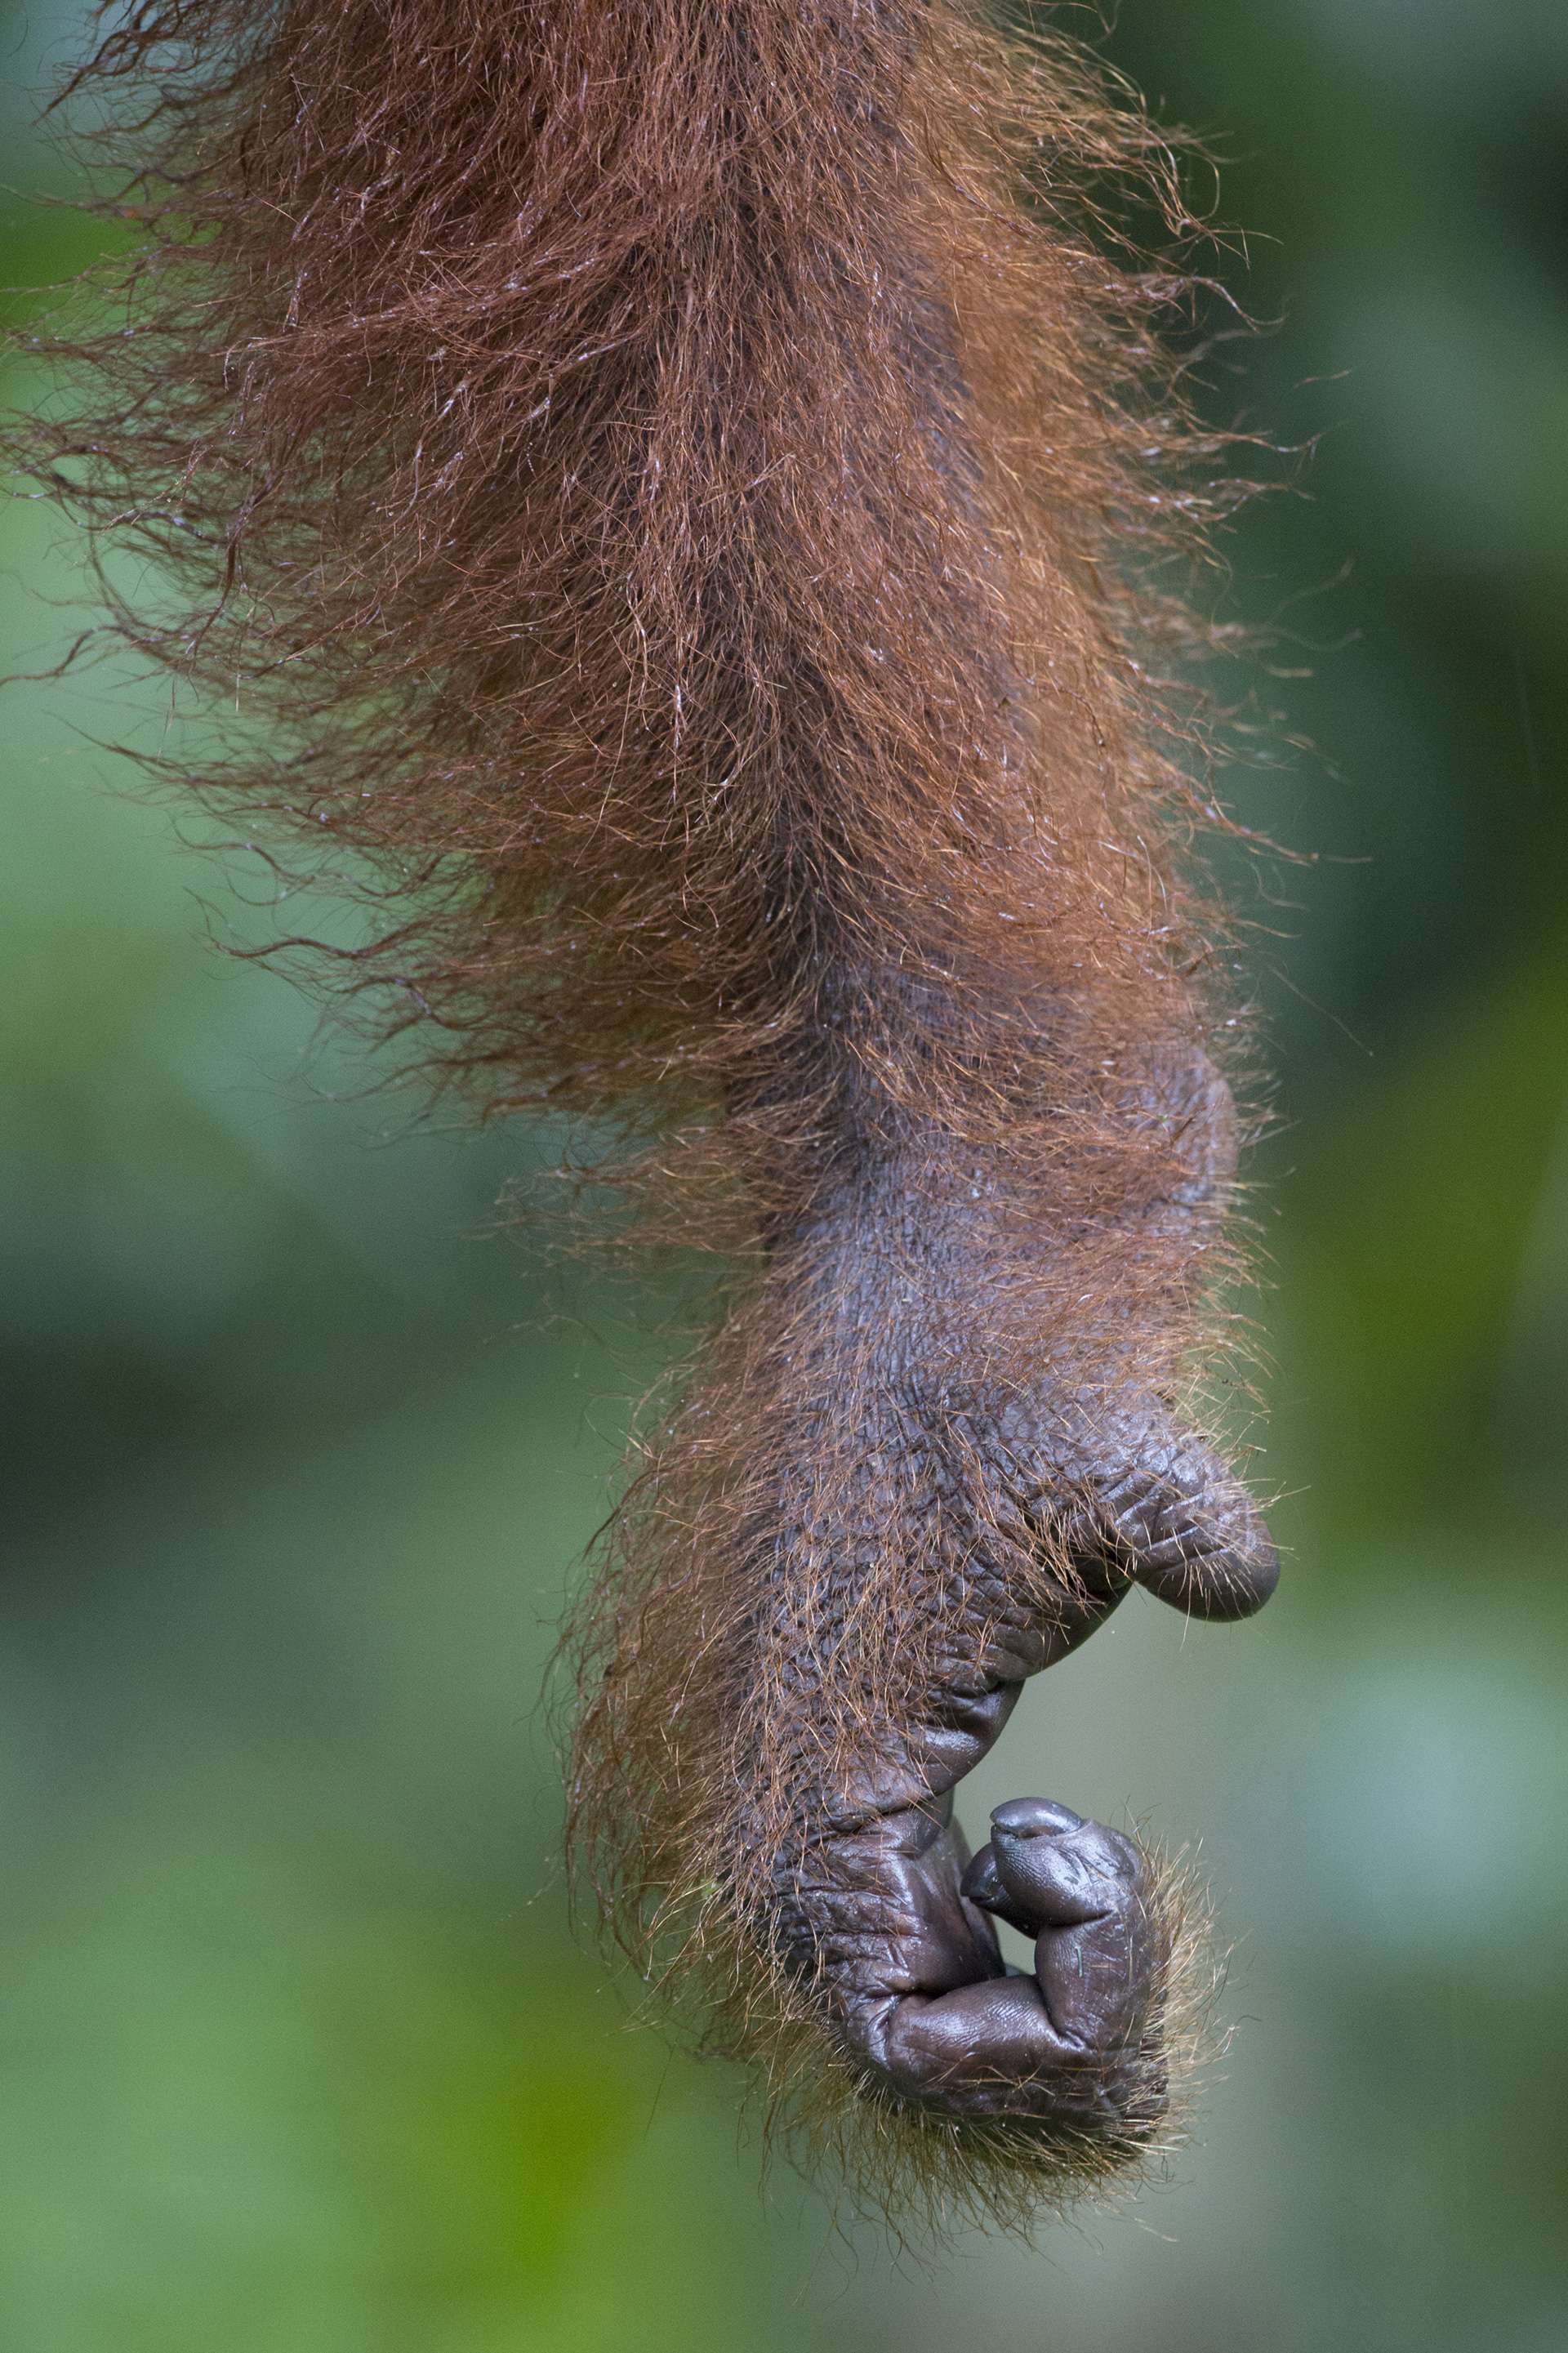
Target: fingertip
[(1221, 1585), (1033, 1817), (980, 1881)]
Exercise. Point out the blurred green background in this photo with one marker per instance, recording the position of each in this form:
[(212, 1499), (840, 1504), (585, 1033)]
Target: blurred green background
[(297, 2053)]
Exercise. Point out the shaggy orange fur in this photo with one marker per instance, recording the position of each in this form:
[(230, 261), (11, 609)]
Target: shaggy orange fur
[(687, 496)]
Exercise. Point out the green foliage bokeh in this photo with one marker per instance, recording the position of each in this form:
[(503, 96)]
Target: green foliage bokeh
[(298, 2055)]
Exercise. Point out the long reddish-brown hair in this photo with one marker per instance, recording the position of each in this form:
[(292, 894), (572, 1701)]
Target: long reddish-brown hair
[(659, 498)]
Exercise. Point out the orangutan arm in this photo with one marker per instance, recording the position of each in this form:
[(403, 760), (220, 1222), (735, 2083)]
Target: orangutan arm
[(692, 494)]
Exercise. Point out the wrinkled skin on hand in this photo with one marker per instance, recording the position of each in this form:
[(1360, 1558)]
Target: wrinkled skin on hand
[(1051, 1500)]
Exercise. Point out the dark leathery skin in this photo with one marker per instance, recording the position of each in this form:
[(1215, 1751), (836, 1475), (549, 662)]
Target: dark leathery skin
[(883, 1912)]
